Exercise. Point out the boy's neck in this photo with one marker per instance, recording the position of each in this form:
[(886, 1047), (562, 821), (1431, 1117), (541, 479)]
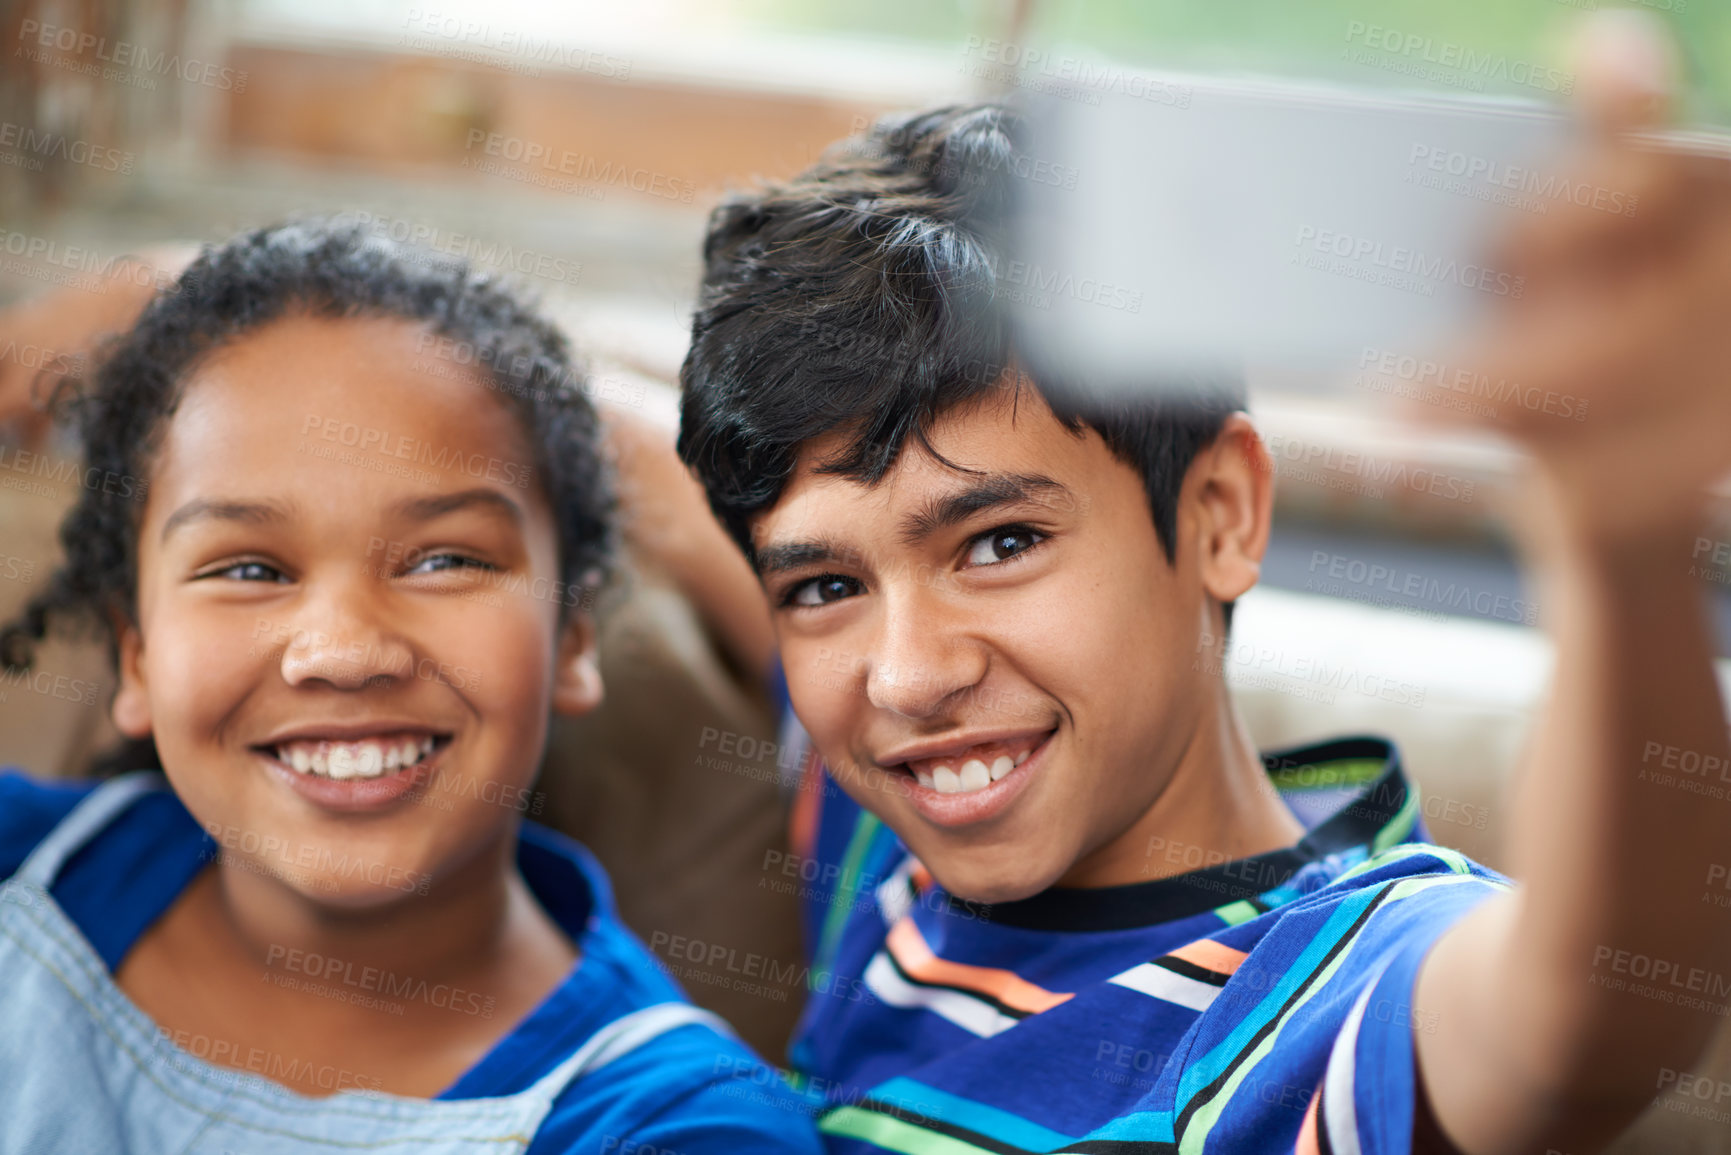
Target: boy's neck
[(1218, 806)]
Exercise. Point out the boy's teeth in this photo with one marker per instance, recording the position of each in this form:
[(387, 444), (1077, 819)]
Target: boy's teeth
[(368, 758), (991, 762)]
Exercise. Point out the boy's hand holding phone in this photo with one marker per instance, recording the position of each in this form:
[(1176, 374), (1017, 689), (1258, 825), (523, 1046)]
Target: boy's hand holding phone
[(1630, 313), (1542, 1040)]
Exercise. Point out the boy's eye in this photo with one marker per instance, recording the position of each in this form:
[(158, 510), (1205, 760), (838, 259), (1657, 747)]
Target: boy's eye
[(248, 571), (1001, 545), (821, 591), (449, 561)]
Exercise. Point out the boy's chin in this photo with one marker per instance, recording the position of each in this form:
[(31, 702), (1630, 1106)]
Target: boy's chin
[(992, 877)]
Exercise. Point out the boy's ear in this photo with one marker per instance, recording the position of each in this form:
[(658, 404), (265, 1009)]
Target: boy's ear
[(131, 709), (1235, 506), (577, 673)]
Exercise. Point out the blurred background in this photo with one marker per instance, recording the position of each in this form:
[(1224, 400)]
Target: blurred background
[(579, 146)]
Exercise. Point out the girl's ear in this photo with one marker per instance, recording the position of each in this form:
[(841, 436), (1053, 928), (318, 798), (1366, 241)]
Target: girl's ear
[(131, 709), (576, 674)]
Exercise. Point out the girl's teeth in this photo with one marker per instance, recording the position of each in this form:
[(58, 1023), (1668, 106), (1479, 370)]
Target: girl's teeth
[(345, 760), (1022, 757), (1002, 766), (945, 781), (924, 778), (975, 776), (342, 762)]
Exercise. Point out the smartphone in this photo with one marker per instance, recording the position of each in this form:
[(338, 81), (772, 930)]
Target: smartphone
[(1184, 229)]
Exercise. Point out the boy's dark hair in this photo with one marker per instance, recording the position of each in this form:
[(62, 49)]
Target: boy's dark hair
[(326, 269), (859, 297)]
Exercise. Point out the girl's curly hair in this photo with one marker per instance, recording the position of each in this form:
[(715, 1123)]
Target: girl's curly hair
[(327, 269)]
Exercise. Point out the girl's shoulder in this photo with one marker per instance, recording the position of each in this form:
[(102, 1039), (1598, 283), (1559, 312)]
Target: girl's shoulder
[(29, 809), (128, 872)]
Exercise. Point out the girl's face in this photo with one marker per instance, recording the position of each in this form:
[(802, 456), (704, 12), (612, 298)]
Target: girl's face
[(349, 601)]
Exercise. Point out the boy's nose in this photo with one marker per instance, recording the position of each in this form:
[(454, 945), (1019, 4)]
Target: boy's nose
[(919, 665)]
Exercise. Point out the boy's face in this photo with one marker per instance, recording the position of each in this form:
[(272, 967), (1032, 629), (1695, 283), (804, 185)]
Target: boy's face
[(1001, 665), (348, 611)]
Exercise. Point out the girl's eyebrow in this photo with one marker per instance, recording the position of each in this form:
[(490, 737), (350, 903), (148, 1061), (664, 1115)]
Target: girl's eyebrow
[(427, 508), (204, 509), (278, 513)]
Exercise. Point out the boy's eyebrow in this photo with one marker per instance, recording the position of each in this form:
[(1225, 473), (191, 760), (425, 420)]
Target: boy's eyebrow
[(988, 492), (772, 559), (204, 509), (427, 508)]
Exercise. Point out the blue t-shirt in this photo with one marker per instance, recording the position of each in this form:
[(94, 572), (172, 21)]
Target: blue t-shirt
[(1257, 1005), (690, 1090)]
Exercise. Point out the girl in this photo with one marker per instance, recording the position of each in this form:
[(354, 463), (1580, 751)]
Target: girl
[(343, 511)]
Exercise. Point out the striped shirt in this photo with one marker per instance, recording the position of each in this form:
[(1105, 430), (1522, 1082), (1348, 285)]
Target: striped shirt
[(1259, 1005)]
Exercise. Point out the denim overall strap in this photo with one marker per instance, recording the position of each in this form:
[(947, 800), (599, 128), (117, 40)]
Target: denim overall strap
[(93, 812), (83, 1068), (622, 1036)]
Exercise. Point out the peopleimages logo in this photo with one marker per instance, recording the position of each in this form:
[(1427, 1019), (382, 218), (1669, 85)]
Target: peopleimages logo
[(1400, 260), (1034, 284), (1466, 62), (581, 167), (1019, 64), (58, 146), (317, 859), (1376, 577), (376, 980), (1543, 186), (383, 442), (514, 42), (1470, 383), (124, 55), (719, 959)]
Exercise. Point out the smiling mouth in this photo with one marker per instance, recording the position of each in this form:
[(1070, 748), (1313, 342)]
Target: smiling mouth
[(363, 758), (975, 768)]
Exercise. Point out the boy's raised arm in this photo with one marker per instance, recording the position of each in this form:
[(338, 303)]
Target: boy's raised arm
[(1558, 1007)]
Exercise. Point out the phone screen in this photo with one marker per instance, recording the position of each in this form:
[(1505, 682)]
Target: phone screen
[(1179, 227)]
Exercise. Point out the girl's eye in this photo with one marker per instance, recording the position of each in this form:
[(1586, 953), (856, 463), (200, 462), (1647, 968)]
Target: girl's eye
[(820, 591), (248, 571), (1001, 545), (447, 561)]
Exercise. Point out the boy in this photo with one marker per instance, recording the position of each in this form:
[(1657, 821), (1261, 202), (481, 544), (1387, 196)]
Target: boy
[(990, 606)]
